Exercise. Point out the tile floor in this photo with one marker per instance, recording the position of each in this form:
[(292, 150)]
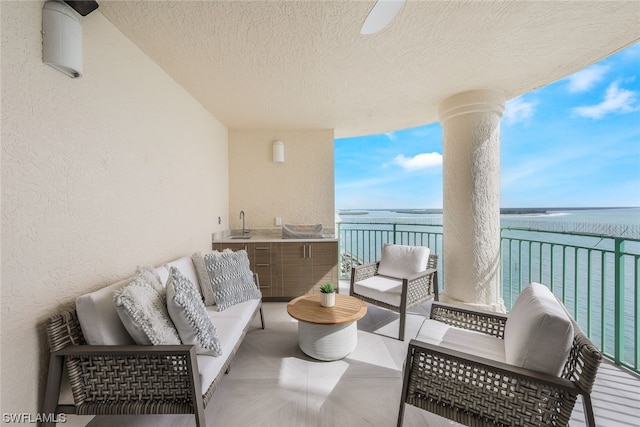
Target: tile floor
[(272, 383)]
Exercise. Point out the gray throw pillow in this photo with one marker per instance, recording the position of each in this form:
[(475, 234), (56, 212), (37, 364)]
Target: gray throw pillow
[(190, 315), (203, 277), (142, 308), (231, 278)]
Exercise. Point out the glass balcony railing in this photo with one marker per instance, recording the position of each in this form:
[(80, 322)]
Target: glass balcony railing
[(597, 277)]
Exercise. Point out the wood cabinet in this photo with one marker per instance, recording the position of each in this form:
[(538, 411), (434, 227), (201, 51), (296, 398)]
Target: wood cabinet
[(289, 269)]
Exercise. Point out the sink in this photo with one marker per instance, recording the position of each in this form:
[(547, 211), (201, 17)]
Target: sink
[(240, 237)]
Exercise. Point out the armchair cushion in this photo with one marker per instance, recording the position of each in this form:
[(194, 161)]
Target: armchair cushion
[(538, 334), (381, 288), (464, 340), (401, 261)]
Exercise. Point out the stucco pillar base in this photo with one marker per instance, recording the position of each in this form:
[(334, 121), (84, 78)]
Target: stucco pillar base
[(498, 306)]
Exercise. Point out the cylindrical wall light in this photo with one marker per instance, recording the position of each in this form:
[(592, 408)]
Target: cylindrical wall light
[(61, 38), (278, 151)]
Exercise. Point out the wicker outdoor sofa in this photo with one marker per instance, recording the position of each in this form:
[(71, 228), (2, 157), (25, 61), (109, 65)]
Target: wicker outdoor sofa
[(474, 388), (136, 379)]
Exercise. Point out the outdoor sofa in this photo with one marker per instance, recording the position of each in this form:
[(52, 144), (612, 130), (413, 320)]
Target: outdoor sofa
[(111, 373)]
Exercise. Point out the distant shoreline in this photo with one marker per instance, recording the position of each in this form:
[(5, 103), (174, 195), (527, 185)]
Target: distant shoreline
[(503, 211)]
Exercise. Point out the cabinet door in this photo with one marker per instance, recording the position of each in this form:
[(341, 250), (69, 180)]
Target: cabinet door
[(295, 266), (324, 257)]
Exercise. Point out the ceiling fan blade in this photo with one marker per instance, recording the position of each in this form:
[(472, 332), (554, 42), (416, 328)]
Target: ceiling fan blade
[(381, 14)]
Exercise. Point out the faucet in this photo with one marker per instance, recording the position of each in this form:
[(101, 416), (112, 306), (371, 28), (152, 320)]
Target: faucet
[(244, 229)]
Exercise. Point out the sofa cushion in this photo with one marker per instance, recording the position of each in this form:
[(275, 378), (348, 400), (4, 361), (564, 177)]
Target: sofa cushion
[(203, 276), (401, 261), (454, 338), (142, 308), (381, 288), (99, 319), (538, 334), (185, 306), (209, 367), (186, 267), (231, 278)]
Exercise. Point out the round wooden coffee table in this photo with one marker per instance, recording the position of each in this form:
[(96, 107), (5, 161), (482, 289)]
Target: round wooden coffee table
[(327, 333)]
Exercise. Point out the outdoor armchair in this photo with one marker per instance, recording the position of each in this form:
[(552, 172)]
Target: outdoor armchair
[(461, 366), (404, 277)]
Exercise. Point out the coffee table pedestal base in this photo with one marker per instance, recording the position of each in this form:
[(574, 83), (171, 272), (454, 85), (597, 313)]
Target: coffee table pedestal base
[(327, 342)]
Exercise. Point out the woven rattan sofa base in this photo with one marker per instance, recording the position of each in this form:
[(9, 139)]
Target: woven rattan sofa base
[(416, 289), (126, 380), (476, 391)]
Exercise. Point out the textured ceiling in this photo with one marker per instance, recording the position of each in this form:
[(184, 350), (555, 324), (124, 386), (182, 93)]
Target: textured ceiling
[(304, 64)]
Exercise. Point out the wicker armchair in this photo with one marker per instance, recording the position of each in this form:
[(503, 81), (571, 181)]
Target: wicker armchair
[(125, 380), (478, 391), (416, 289)]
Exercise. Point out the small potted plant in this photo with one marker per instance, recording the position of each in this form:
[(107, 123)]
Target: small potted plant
[(328, 295)]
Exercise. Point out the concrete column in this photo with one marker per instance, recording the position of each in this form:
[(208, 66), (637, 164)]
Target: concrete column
[(471, 206)]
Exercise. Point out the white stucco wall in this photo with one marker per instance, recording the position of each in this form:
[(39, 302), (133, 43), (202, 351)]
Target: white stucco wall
[(300, 190), (99, 174)]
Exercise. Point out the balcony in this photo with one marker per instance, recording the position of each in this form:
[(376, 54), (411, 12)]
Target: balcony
[(595, 275)]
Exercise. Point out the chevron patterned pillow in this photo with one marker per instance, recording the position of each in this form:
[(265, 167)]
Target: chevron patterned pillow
[(231, 278)]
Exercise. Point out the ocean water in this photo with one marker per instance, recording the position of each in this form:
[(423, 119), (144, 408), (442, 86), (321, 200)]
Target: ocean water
[(540, 245)]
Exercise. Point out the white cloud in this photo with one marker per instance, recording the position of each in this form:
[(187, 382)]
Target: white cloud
[(518, 110), (419, 161), (616, 100), (585, 79)]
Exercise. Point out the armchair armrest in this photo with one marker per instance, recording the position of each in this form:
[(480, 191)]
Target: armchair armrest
[(362, 272), (452, 383), (484, 321), (420, 286)]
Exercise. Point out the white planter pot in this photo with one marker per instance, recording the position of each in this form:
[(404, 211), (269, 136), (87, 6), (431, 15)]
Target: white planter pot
[(328, 300)]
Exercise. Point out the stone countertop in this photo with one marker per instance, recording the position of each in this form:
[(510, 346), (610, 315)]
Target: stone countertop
[(267, 235), (262, 238)]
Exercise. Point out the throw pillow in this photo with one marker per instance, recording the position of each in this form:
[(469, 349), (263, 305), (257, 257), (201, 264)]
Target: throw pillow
[(203, 277), (141, 305), (231, 278), (402, 261), (190, 315)]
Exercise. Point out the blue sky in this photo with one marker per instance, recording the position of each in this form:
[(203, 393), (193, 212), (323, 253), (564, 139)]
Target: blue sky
[(573, 143)]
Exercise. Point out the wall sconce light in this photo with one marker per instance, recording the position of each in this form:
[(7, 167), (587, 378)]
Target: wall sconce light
[(278, 151), (61, 39)]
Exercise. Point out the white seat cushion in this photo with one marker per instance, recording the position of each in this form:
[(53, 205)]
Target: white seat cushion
[(229, 331), (186, 267), (380, 288), (539, 333), (244, 311), (99, 319), (471, 342), (401, 261)]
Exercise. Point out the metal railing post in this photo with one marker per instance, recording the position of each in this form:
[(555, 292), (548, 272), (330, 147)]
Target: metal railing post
[(618, 277)]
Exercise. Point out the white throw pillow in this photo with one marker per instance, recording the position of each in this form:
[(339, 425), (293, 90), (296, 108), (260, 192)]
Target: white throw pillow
[(189, 315), (539, 333), (401, 261), (142, 307)]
